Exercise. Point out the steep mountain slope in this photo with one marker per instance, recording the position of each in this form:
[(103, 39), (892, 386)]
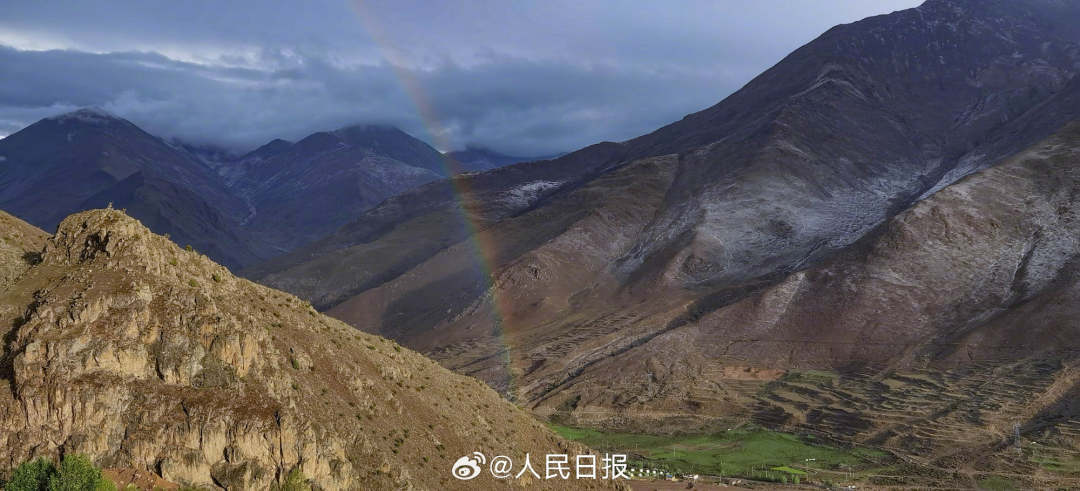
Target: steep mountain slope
[(977, 282), (936, 337), (302, 191), (846, 131), (802, 162), (122, 346), (88, 158), (409, 228), (932, 337), (604, 273)]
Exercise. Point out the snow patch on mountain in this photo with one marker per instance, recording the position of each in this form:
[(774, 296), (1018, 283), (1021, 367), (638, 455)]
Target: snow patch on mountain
[(90, 115), (528, 193), (392, 171)]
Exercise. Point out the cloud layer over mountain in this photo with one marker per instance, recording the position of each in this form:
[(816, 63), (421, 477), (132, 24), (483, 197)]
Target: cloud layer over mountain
[(523, 79)]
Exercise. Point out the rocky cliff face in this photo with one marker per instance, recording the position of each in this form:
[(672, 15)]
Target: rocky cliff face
[(122, 346)]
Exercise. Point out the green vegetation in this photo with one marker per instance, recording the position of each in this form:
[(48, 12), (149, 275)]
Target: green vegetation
[(31, 476), (294, 481), (996, 483), (789, 470), (811, 376), (1063, 464), (76, 473), (747, 451)]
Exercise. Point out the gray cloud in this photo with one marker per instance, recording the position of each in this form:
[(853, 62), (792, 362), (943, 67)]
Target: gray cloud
[(521, 78)]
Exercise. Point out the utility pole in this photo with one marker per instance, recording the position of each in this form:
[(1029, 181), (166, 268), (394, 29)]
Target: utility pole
[(1016, 431)]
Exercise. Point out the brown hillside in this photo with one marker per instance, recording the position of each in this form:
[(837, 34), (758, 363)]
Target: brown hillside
[(19, 243), (121, 346)]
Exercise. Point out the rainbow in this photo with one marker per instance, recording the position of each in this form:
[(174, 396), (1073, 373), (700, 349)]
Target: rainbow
[(481, 245)]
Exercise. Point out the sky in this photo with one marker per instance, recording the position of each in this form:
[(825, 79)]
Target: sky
[(523, 78)]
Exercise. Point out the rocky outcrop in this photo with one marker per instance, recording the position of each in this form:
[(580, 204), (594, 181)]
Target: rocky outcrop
[(121, 346)]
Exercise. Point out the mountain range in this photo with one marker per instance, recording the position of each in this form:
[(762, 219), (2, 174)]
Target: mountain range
[(240, 210), (476, 158), (889, 207)]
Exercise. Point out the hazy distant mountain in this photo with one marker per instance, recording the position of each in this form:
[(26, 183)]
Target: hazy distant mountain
[(89, 158), (238, 209), (666, 279), (212, 156), (304, 190), (475, 158)]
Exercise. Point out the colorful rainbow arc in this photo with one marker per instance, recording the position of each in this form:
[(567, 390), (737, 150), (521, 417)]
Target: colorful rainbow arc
[(483, 250)]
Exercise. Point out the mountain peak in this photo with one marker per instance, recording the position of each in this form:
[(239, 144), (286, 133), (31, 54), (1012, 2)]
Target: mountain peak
[(90, 234), (270, 149), (90, 115), (367, 127), (365, 134)]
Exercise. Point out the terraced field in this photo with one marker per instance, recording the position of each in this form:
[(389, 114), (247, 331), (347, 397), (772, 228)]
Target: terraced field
[(966, 423), (749, 452), (991, 424)]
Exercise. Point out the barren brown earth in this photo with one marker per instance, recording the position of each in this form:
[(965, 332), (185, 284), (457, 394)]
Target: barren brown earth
[(153, 359), (20, 244), (940, 337)]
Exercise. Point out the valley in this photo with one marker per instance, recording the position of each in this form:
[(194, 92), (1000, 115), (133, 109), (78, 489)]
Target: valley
[(834, 215), (861, 268)]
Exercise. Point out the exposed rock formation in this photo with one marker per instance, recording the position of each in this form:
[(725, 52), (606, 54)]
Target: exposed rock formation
[(122, 346)]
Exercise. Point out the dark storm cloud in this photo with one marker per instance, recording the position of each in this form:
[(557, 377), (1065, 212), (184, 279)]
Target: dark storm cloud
[(521, 78)]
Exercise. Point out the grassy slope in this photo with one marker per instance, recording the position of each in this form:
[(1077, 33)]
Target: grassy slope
[(736, 452)]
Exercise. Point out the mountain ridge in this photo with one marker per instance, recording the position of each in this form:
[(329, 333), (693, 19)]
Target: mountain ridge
[(766, 148), (206, 196)]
